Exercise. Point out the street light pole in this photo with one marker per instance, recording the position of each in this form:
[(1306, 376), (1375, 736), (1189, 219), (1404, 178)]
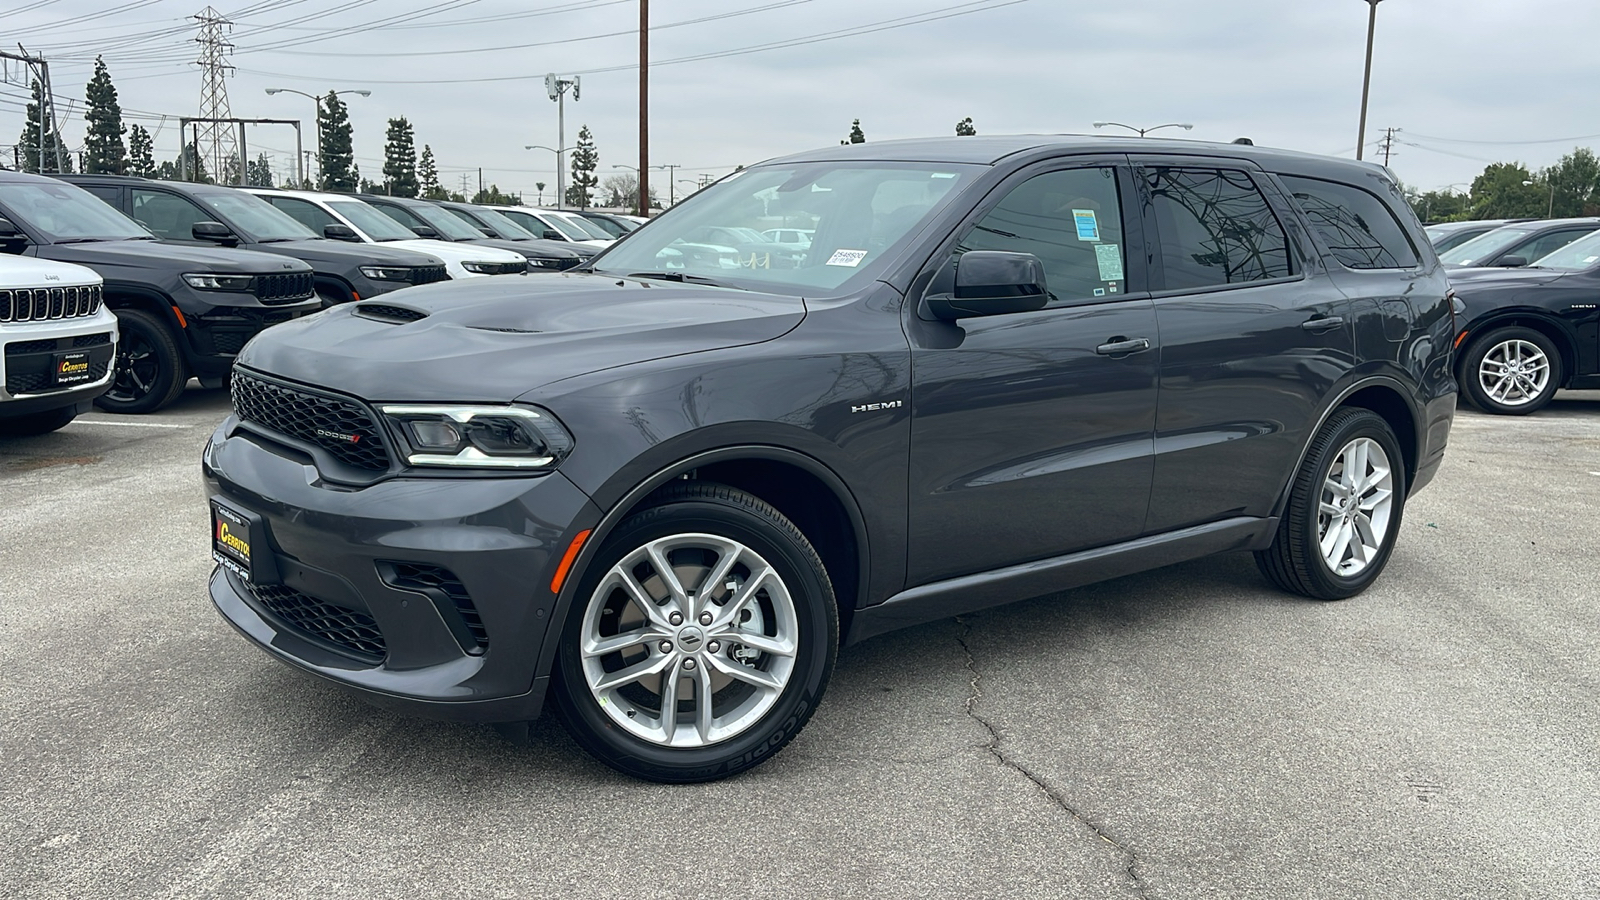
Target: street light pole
[(316, 120), (1144, 131), (1366, 76), (558, 167)]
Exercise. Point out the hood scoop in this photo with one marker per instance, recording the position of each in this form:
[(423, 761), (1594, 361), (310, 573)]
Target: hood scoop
[(384, 312), (506, 330)]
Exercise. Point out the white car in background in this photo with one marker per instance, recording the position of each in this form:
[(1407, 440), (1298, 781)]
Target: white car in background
[(790, 238), (351, 219), (57, 343), (556, 225)]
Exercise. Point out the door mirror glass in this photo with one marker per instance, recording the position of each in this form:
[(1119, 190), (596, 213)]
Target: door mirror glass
[(427, 231), (215, 232), (1512, 262), (340, 233), (992, 283)]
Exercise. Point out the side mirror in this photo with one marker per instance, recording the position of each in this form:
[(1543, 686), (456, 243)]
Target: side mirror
[(550, 234), (12, 240), (993, 283), (489, 232), (214, 232), (338, 232), (427, 231), (1512, 262)]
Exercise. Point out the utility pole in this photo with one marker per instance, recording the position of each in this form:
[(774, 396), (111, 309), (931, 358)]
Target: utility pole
[(557, 87), (214, 111), (1388, 145), (644, 109), (1366, 77), (47, 110)]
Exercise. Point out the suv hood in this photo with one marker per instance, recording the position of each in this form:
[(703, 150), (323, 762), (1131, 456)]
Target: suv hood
[(27, 272), (493, 339), (163, 256), (314, 250)]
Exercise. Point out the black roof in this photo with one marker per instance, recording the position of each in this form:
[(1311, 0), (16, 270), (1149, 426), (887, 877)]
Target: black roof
[(180, 186)]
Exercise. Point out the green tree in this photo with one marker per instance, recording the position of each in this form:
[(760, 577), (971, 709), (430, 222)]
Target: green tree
[(259, 172), (400, 160), (232, 172), (428, 177), (1572, 185), (540, 186), (585, 160), (335, 153), (492, 196), (105, 153), (54, 157), (964, 128), (1506, 191), (141, 153), (857, 136), (191, 164)]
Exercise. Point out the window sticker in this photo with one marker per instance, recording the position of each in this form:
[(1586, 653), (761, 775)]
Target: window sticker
[(1109, 258), (1099, 292), (1088, 226), (848, 258)]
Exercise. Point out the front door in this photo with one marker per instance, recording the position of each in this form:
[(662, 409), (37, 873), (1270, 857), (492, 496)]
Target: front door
[(1032, 432)]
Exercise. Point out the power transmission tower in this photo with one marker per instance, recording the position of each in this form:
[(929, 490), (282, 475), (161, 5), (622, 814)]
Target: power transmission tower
[(1388, 144), (47, 111), (216, 140)]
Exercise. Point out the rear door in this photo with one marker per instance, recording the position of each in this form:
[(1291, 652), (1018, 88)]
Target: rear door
[(1254, 336), (1032, 431)]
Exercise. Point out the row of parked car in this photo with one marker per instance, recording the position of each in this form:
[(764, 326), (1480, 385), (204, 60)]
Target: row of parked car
[(1530, 289), (117, 290)]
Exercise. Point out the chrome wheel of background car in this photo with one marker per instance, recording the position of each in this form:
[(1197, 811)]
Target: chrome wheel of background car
[(1353, 518), (689, 640), (1514, 372)]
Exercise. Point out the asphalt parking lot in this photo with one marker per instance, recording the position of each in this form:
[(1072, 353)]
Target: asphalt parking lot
[(1183, 733)]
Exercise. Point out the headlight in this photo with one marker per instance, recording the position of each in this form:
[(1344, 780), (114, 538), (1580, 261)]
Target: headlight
[(480, 437), (544, 263), (496, 268), (203, 282), (386, 273)]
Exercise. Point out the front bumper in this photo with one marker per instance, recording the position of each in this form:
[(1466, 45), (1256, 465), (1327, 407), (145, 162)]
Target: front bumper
[(346, 605), (28, 351)]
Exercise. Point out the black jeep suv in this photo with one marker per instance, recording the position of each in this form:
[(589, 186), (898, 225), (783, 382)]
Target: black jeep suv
[(663, 491), (209, 215), (181, 311)]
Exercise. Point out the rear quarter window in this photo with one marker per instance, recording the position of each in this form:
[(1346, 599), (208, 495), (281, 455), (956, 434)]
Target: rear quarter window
[(1358, 228)]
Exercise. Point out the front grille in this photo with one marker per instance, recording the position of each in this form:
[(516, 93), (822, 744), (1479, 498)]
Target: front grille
[(570, 262), (503, 268), (386, 313), (49, 345), (284, 288), (91, 340), (21, 348), (354, 632), (229, 342), (43, 304), (428, 274), (342, 427), (428, 579), (39, 382)]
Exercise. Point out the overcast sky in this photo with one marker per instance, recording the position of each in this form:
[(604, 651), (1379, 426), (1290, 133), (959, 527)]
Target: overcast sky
[(1468, 81)]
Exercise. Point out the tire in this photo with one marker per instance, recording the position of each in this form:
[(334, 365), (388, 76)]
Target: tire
[(1511, 371), (1296, 561), (38, 423), (761, 695), (150, 373)]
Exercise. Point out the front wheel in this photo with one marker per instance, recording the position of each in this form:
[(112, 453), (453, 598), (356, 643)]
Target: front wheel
[(1511, 371), (1344, 510), (701, 638), (150, 372)]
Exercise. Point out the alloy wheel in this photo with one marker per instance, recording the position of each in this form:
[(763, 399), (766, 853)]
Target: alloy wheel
[(1353, 518), (137, 368), (1514, 372)]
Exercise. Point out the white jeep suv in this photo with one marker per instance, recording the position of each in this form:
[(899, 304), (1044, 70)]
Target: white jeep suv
[(57, 342)]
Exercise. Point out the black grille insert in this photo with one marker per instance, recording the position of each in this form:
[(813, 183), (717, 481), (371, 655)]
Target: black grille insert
[(429, 274), (285, 288), (342, 427), (353, 632), (383, 312), (439, 583)]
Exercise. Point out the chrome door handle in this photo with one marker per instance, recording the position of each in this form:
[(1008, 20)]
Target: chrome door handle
[(1322, 323), (1119, 346)]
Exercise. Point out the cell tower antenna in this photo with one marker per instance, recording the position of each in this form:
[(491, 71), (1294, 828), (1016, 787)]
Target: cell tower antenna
[(216, 142)]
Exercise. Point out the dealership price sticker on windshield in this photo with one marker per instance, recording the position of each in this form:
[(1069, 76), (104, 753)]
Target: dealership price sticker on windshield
[(850, 258), (1088, 225), (1109, 258)]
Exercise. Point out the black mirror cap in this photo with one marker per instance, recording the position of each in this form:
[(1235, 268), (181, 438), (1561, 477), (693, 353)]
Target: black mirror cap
[(340, 233), (993, 283), (427, 231), (550, 234), (12, 240), (1512, 262), (214, 232)]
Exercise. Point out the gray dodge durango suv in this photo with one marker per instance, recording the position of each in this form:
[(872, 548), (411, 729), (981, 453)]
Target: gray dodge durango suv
[(664, 488)]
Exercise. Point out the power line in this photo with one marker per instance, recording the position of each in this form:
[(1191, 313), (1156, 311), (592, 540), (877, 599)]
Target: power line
[(1562, 140)]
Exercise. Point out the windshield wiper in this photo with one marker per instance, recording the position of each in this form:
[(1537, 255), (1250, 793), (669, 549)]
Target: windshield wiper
[(683, 278)]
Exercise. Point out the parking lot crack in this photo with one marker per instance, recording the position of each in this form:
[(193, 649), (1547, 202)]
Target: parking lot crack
[(1051, 793)]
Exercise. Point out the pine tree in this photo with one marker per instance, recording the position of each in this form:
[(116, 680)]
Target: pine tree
[(400, 160), (141, 156), (585, 160), (55, 157), (428, 176), (192, 165), (964, 128), (335, 156), (232, 172), (104, 153), (259, 172)]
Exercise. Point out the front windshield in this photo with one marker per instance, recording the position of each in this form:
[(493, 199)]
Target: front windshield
[(500, 222), (255, 218), (861, 214), (591, 231), (1482, 247), (444, 223), (1581, 254), (372, 223), (571, 231), (64, 212)]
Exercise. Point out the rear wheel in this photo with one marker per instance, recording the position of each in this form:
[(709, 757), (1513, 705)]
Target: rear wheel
[(1511, 371), (1344, 510), (38, 423), (149, 369), (701, 638)]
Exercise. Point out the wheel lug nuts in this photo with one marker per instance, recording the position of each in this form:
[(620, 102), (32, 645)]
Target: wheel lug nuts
[(705, 618), (676, 618), (666, 646), (714, 647), (688, 665)]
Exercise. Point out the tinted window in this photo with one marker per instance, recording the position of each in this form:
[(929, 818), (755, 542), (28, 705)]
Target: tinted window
[(1548, 243), (64, 212), (169, 216), (1358, 228), (1072, 221), (255, 217), (108, 193), (1215, 228), (307, 214)]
